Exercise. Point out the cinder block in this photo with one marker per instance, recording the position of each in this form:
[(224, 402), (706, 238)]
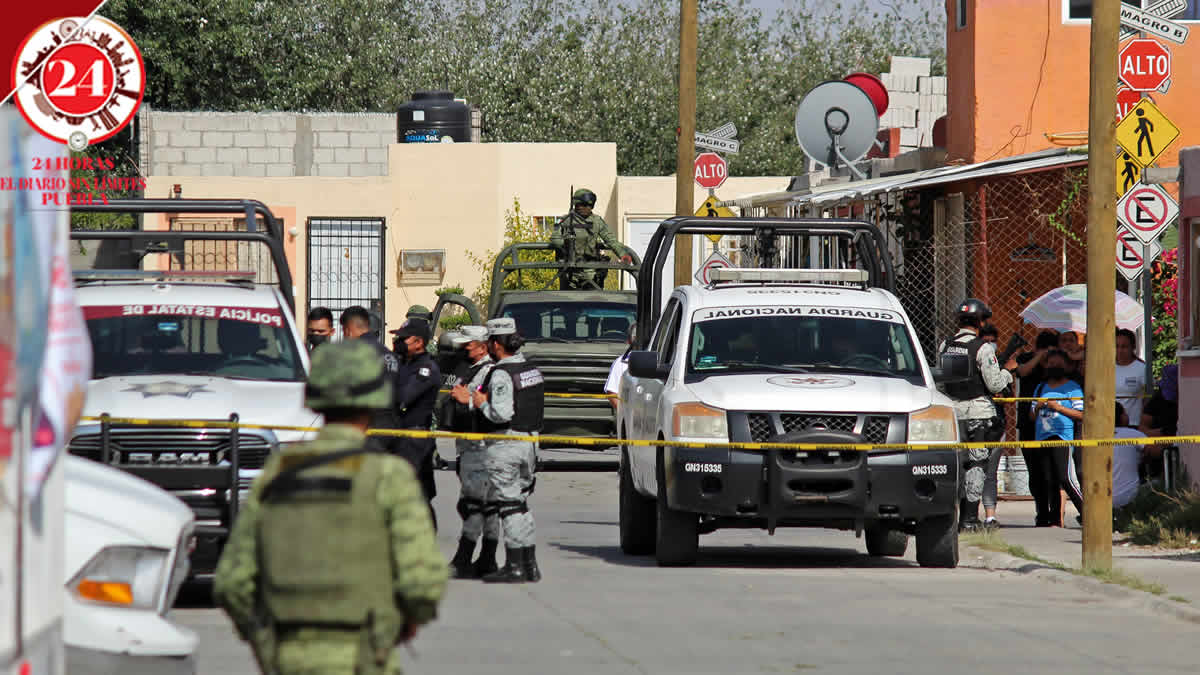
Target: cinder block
[(364, 169), (902, 117), (910, 136), (199, 156), (907, 148), (364, 139), (197, 122), (333, 170), (280, 170), (322, 156), (164, 155), (250, 139), (939, 84), (217, 139), (185, 169), (254, 170), (886, 79), (377, 156), (333, 139), (287, 155), (182, 139), (386, 138), (910, 65), (263, 155), (217, 169), (350, 155), (232, 155), (276, 122), (352, 122), (904, 83), (161, 139), (163, 121), (904, 99), (323, 122), (281, 139)]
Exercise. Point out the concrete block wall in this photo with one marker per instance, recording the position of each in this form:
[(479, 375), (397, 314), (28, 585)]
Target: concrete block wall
[(264, 144), (916, 101)]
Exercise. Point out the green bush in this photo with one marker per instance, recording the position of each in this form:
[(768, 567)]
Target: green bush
[(1155, 517)]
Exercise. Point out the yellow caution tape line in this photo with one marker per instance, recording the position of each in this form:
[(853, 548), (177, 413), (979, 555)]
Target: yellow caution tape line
[(722, 445), (557, 394), (1016, 399)]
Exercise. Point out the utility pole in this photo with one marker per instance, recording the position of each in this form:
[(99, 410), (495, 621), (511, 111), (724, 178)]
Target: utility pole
[(686, 150), (1099, 407)]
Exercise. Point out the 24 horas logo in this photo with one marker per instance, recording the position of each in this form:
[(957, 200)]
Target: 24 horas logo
[(79, 80)]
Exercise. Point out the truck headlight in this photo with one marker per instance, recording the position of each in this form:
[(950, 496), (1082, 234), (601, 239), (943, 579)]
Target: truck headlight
[(697, 420), (935, 424), (122, 576)]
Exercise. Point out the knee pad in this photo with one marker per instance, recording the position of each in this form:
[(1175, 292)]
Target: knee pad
[(467, 507)]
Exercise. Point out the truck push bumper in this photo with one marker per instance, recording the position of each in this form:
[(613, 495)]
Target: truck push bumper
[(579, 417)]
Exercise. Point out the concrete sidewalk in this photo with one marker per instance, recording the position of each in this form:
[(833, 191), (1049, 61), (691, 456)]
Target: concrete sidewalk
[(1177, 570)]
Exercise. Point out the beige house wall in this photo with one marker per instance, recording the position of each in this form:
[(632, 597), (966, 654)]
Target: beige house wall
[(453, 197)]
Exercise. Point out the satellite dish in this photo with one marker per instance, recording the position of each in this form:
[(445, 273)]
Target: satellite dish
[(836, 123)]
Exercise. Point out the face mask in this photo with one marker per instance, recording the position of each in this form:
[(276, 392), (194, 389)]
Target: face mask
[(314, 340), (1056, 373)]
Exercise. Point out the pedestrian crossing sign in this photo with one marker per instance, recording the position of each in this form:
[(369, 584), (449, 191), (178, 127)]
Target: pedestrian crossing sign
[(709, 209), (1129, 173), (1145, 133)]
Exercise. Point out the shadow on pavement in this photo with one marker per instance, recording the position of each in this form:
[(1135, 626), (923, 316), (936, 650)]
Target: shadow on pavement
[(750, 557)]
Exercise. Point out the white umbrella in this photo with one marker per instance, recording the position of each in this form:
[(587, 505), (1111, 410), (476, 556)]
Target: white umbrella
[(1065, 309)]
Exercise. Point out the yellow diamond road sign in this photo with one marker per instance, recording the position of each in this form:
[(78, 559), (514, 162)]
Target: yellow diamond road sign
[(1129, 173), (709, 209), (1145, 133)]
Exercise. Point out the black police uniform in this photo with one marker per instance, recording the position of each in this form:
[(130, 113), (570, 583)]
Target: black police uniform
[(416, 396)]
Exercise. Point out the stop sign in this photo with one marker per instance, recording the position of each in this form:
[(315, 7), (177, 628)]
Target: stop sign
[(1144, 64), (1126, 99), (710, 169)]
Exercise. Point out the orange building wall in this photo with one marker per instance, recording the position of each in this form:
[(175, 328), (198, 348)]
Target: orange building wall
[(1002, 100)]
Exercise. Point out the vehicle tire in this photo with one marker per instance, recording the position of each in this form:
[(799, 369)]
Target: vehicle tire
[(678, 532), (882, 541), (637, 515), (937, 541)]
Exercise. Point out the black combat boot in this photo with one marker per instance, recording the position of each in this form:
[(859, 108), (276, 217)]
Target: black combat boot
[(513, 571), (486, 564), (532, 573), (460, 565)]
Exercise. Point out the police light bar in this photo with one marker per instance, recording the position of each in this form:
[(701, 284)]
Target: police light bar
[(803, 276)]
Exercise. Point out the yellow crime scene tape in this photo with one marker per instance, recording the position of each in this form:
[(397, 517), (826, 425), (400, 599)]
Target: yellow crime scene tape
[(1022, 399), (555, 394), (716, 445)]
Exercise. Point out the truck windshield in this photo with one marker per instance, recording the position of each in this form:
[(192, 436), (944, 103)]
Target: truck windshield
[(808, 339), (572, 321), (243, 342)]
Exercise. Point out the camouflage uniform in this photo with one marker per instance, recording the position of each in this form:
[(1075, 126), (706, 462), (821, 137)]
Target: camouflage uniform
[(286, 578), (589, 233)]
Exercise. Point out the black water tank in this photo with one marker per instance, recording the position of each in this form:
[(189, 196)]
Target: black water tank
[(433, 117)]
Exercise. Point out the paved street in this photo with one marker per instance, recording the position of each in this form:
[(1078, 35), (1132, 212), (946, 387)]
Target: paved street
[(798, 602)]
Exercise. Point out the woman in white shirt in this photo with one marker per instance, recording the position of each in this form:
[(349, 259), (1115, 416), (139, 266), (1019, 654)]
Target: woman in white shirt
[(1130, 377)]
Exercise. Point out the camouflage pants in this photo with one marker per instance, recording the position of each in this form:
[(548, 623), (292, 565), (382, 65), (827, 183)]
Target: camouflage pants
[(511, 465), (479, 517), (975, 464), (300, 656)]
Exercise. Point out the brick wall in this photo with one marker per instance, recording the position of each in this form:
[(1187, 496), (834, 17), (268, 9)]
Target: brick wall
[(264, 144)]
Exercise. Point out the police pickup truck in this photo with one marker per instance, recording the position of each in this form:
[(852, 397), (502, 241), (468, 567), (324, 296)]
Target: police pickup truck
[(785, 356), (189, 326)]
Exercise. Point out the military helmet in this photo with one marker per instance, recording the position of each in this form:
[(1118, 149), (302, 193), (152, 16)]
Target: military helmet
[(975, 309), (347, 374), (418, 311), (584, 197)]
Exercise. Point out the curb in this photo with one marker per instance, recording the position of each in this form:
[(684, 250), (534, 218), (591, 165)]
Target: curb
[(1002, 562)]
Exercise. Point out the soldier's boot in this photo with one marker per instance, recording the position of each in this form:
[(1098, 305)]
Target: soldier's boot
[(532, 573), (486, 564), (460, 564), (513, 571)]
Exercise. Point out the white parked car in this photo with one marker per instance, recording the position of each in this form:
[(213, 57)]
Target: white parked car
[(127, 545)]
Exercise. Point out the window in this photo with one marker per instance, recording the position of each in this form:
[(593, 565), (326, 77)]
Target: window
[(545, 224), (960, 13), (572, 321), (668, 332), (1082, 9)]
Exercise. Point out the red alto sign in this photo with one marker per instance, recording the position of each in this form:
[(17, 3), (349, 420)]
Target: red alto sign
[(1144, 64), (1126, 99), (711, 170)]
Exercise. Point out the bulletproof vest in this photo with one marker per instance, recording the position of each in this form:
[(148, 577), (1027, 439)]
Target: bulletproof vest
[(973, 386), (528, 396), (325, 545), (468, 422)]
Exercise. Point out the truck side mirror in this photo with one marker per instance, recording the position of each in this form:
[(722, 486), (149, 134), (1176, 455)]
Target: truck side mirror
[(645, 364), (952, 368)]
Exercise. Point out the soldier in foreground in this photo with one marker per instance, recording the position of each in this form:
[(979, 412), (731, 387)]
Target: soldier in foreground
[(510, 402), (474, 503), (329, 527), (578, 236)]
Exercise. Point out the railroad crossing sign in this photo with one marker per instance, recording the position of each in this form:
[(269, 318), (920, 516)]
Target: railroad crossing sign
[(711, 170), (1145, 133), (1129, 173), (709, 209), (1126, 99), (704, 274), (1144, 64), (1130, 251), (1153, 20), (1146, 211)]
